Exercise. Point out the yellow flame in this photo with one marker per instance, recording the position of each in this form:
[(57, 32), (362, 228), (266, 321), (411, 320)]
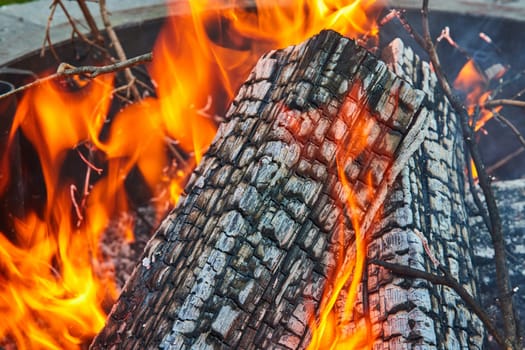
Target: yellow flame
[(344, 280)]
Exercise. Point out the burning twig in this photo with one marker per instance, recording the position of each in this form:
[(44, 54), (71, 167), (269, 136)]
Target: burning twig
[(172, 146), (205, 111), (118, 48), (502, 279), (446, 280), (65, 70), (73, 191), (90, 167), (88, 163)]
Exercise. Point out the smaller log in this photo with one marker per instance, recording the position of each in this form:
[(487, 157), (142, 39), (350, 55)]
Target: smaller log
[(426, 218)]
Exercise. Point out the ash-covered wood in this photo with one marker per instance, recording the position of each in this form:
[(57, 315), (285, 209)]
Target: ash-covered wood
[(242, 260), (510, 196), (429, 196)]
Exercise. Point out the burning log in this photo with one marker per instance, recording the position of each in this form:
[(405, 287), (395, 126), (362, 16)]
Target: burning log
[(276, 219), (430, 197)]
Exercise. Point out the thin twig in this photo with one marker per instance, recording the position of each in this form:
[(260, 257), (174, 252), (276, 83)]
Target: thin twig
[(514, 77), (519, 93), (446, 280), (502, 275), (470, 176), (145, 86), (474, 193), (89, 163), (504, 102), (505, 160), (406, 25), (445, 35), (90, 21), (118, 48), (93, 71), (511, 127), (47, 38), (73, 24), (116, 92), (72, 191), (88, 71), (171, 143), (79, 33)]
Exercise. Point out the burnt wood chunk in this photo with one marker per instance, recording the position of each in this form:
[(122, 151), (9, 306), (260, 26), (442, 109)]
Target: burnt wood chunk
[(243, 258), (428, 197)]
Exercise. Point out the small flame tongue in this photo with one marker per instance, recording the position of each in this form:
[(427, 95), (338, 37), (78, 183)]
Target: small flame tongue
[(337, 309)]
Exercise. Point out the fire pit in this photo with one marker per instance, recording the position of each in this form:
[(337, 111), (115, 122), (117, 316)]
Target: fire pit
[(328, 168)]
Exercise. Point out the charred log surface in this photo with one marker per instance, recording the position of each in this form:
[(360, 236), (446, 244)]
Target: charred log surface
[(429, 197), (248, 246), (510, 196)]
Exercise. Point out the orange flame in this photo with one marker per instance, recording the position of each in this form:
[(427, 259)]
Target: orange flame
[(343, 284), (50, 295), (474, 83), (54, 279)]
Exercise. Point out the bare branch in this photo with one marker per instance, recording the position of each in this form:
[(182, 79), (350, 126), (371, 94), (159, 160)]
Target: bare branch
[(406, 25), (47, 38), (446, 280), (90, 21), (504, 102), (511, 126), (502, 275), (118, 48), (505, 160), (93, 71), (87, 71), (474, 192), (78, 32)]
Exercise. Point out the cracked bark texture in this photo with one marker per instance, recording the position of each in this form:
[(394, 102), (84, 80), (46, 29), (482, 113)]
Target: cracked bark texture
[(429, 196), (242, 260)]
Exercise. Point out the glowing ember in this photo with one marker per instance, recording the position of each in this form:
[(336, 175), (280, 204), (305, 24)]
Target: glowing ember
[(53, 280)]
